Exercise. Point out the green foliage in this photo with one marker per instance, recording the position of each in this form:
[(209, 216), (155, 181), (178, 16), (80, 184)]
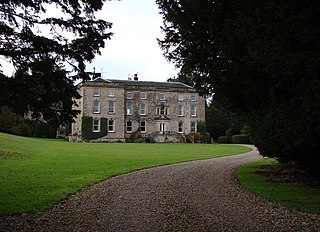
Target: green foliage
[(289, 194), (22, 128), (8, 119), (261, 60), (87, 128), (40, 84), (224, 139), (240, 139), (36, 173)]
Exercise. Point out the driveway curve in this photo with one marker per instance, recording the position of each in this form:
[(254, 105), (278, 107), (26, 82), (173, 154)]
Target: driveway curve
[(193, 196)]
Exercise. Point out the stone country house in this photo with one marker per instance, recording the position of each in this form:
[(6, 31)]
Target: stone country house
[(130, 110)]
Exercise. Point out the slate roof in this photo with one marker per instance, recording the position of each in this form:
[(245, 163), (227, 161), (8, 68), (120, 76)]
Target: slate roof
[(128, 83)]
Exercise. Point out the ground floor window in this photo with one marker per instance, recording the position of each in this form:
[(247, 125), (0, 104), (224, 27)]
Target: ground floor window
[(143, 127), (193, 127), (129, 126), (96, 125), (180, 127), (111, 125)]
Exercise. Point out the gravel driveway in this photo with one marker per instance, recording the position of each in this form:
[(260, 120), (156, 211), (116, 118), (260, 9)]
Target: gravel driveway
[(193, 196)]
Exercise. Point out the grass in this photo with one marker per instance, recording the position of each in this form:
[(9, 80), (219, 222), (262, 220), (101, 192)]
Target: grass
[(293, 195), (37, 173)]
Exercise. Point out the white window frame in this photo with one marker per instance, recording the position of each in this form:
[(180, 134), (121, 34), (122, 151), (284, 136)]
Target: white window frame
[(143, 108), (163, 127), (162, 97), (129, 108), (129, 126), (96, 108), (180, 110), (180, 97), (96, 92), (145, 127), (111, 125), (111, 93), (193, 127), (129, 95), (143, 95), (111, 107), (193, 110), (96, 123), (181, 127), (193, 98)]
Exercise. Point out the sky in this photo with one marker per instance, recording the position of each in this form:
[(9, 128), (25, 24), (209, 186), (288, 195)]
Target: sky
[(133, 48)]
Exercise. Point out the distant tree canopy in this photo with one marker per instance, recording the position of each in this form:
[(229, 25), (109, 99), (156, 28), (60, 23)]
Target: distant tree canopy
[(39, 37), (262, 61)]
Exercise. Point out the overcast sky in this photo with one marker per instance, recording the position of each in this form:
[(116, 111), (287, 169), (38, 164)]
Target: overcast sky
[(134, 47)]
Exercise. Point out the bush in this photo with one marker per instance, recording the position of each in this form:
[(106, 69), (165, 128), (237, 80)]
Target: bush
[(224, 139), (8, 119), (240, 139), (87, 128), (21, 128)]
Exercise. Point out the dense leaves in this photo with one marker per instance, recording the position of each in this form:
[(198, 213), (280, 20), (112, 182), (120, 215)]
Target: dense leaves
[(39, 37), (262, 61)]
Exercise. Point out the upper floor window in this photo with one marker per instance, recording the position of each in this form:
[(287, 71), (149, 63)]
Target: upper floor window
[(162, 97), (181, 110), (96, 92), (143, 109), (162, 110), (193, 127), (193, 110), (111, 93), (180, 97), (111, 107), (143, 126), (96, 107), (129, 95), (96, 125), (143, 95), (129, 108), (111, 125), (193, 98), (129, 126)]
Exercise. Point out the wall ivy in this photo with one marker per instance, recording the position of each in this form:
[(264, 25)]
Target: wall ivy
[(87, 128)]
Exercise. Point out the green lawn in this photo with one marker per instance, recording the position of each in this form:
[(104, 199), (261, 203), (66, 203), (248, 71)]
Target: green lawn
[(36, 173), (291, 195)]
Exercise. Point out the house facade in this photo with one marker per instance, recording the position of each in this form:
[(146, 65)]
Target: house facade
[(161, 111)]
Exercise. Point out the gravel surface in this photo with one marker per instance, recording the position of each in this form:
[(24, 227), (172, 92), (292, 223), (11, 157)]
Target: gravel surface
[(193, 196)]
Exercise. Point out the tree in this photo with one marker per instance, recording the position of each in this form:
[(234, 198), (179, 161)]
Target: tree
[(39, 37), (261, 59)]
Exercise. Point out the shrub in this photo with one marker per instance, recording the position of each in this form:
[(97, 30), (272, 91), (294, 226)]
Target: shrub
[(87, 128), (21, 128), (8, 119), (224, 139), (240, 139)]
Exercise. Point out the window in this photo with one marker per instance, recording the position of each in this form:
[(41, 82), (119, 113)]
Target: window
[(162, 127), (111, 93), (193, 98), (193, 110), (162, 97), (180, 97), (96, 92), (143, 109), (193, 127), (129, 126), (180, 129), (162, 110), (111, 107), (181, 113), (143, 127), (129, 95), (129, 108), (143, 95), (96, 125), (96, 107), (111, 125)]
